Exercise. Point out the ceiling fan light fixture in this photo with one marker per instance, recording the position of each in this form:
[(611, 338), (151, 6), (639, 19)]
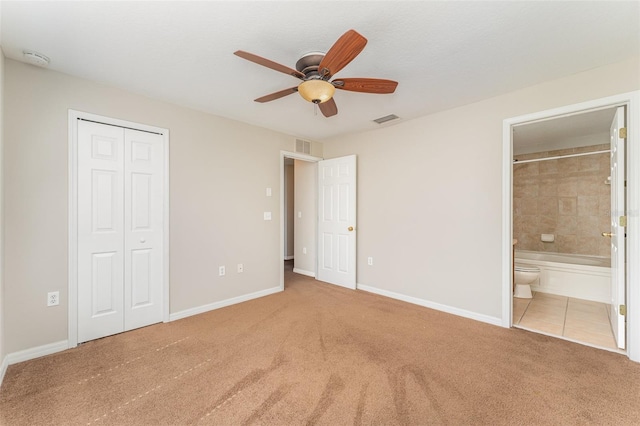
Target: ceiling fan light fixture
[(316, 91)]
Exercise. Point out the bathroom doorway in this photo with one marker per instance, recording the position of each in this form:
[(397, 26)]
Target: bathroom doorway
[(559, 211), (561, 205)]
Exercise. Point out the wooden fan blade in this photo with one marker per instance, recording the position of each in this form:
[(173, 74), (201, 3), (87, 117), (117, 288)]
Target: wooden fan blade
[(341, 53), (329, 108), (366, 85), (277, 95), (268, 63)]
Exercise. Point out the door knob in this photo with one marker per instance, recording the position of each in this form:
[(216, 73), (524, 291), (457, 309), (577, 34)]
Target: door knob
[(607, 234), (350, 228)]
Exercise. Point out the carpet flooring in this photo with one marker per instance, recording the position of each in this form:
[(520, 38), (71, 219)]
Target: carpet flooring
[(320, 354)]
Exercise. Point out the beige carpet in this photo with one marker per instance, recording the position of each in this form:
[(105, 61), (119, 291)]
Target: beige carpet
[(319, 354)]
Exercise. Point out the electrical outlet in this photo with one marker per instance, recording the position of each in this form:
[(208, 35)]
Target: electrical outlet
[(240, 268), (53, 298), (370, 261), (221, 271)]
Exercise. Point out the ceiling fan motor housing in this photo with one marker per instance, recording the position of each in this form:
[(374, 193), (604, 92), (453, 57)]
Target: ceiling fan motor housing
[(308, 65)]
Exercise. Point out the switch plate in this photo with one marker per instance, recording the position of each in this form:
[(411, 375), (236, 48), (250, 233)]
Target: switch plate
[(268, 192), (304, 250), (240, 268), (299, 215), (370, 261), (221, 271), (267, 215)]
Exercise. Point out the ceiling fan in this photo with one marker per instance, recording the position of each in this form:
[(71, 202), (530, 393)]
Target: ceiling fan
[(315, 69)]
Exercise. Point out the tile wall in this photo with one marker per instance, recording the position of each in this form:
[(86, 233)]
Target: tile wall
[(566, 197)]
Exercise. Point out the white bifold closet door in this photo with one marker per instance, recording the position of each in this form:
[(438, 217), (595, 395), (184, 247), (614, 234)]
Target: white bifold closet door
[(120, 225)]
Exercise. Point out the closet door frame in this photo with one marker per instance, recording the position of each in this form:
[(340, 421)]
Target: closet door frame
[(72, 295)]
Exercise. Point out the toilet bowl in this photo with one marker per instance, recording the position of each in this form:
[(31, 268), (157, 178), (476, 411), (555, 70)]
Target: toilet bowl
[(524, 276)]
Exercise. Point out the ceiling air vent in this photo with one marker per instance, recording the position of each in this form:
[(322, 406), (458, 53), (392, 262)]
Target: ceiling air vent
[(303, 147), (386, 118)]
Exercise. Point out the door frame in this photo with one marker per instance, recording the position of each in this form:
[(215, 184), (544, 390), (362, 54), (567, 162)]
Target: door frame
[(632, 101), (295, 156), (73, 214)]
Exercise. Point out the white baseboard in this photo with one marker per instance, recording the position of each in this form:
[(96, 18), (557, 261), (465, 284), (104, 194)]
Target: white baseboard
[(432, 305), (303, 272), (3, 369), (288, 258), (37, 352), (223, 303)]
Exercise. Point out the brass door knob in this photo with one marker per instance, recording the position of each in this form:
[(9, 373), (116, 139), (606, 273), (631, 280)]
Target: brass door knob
[(350, 228), (607, 234)]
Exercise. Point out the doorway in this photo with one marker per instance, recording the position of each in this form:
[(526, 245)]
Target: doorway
[(118, 226), (326, 206), (546, 120), (298, 213), (562, 196)]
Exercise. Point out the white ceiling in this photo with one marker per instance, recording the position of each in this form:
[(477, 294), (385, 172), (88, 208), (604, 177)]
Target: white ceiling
[(576, 130), (443, 54)]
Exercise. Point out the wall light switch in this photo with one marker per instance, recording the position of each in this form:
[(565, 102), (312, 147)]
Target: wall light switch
[(370, 261), (299, 215), (304, 250), (268, 192), (267, 215)]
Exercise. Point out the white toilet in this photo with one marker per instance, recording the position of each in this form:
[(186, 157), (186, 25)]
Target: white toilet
[(524, 276)]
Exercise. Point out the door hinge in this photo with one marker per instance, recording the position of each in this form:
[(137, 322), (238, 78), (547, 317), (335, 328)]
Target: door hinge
[(622, 133), (622, 221), (623, 310)]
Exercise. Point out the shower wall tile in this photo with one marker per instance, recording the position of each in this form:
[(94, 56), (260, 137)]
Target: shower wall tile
[(567, 165), (548, 224), (588, 226), (605, 204), (588, 245), (566, 243), (588, 205), (567, 197), (567, 187), (548, 167), (567, 225), (526, 169), (548, 206), (548, 187), (567, 206), (588, 163)]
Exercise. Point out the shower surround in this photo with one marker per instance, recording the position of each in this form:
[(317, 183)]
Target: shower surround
[(567, 197)]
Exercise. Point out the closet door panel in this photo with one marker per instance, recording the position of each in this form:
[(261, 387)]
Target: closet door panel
[(100, 230), (143, 187)]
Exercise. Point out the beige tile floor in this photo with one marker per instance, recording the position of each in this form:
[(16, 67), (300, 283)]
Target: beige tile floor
[(575, 319)]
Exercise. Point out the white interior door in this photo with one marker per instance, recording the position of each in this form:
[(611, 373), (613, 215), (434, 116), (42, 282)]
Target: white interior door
[(143, 194), (120, 229), (100, 230), (337, 221), (618, 267)]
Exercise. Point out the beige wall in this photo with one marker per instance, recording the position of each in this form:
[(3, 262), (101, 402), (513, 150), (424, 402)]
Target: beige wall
[(305, 226), (567, 197), (430, 191), (219, 170)]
